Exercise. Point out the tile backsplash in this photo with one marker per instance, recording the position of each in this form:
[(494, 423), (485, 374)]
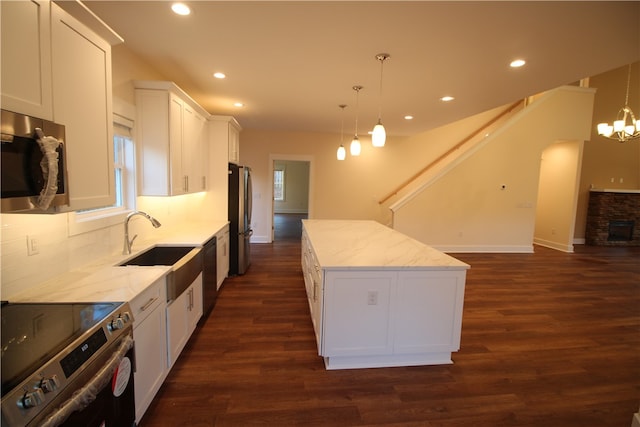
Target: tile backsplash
[(37, 247)]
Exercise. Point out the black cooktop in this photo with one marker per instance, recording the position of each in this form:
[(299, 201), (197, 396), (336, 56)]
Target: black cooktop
[(33, 333)]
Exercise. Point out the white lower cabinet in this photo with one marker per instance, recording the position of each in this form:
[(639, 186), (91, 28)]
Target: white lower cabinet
[(313, 281), (183, 314), (149, 334)]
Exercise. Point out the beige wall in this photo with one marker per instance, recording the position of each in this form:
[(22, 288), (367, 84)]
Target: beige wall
[(296, 187), (557, 195), (352, 189), (349, 189), (468, 210), (606, 163)]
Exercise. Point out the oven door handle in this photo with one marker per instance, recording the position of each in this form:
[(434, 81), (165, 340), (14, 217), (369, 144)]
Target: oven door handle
[(88, 393)]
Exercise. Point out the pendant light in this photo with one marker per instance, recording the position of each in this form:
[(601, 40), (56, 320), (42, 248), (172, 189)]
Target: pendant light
[(342, 153), (355, 147), (379, 135)]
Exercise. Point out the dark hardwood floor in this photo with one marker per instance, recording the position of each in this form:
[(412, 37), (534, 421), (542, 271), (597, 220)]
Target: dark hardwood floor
[(287, 226), (549, 339)]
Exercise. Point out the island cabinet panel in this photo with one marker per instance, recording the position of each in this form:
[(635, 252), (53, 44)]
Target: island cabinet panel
[(379, 298), (358, 313), (429, 318)]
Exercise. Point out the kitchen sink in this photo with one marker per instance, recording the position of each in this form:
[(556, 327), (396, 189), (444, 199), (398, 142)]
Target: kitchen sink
[(186, 263), (159, 255)]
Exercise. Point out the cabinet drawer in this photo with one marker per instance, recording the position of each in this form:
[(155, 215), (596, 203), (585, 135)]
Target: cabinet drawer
[(148, 300)]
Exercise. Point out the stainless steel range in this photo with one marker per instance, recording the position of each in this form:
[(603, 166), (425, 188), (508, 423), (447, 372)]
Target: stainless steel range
[(67, 364)]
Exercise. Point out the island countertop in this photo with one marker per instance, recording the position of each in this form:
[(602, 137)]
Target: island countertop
[(362, 244)]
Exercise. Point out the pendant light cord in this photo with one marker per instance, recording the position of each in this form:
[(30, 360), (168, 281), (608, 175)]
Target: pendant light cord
[(626, 98), (357, 89), (380, 92), (381, 57), (342, 106)]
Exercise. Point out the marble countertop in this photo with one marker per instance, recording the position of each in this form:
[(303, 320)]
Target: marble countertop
[(355, 244), (103, 280)]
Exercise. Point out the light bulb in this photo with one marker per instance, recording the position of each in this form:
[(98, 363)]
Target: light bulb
[(342, 153), (618, 125), (379, 135), (355, 147)]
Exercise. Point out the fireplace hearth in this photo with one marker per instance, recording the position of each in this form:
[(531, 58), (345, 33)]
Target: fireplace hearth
[(612, 217)]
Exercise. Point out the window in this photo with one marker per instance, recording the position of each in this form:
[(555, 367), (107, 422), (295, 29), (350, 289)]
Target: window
[(124, 172), (278, 185)]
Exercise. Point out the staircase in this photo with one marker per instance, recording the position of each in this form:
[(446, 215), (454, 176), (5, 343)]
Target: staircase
[(480, 195), (448, 159)]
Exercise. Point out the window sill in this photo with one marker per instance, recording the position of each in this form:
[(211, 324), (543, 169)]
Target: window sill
[(80, 223)]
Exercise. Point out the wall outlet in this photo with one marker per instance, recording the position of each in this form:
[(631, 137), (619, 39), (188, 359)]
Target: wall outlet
[(32, 246), (372, 298)]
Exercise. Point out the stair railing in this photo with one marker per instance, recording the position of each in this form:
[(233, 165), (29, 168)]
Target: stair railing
[(456, 147)]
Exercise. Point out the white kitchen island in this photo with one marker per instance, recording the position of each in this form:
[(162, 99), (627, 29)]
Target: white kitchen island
[(379, 298)]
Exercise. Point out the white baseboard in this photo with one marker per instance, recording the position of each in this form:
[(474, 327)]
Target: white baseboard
[(526, 249), (291, 211), (554, 245), (260, 239)]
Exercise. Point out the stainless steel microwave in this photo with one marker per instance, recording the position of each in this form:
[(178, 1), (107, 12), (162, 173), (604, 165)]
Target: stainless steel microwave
[(33, 175)]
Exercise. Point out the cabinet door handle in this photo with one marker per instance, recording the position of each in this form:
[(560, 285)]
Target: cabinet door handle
[(186, 182), (148, 304)]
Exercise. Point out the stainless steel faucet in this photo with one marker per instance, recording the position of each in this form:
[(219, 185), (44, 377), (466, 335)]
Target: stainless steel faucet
[(128, 243)]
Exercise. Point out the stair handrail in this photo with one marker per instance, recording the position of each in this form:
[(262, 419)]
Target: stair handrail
[(451, 150)]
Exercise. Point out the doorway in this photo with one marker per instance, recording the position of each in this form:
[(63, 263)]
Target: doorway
[(291, 179)]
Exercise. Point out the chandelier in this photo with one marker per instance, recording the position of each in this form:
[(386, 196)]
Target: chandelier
[(626, 127)]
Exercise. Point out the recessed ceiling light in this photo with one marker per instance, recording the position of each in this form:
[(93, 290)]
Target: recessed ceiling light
[(219, 75), (517, 63), (447, 98), (408, 117), (238, 104), (180, 9)]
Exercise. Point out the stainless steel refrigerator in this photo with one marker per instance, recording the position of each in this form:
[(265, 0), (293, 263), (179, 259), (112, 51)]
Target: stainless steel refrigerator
[(239, 219)]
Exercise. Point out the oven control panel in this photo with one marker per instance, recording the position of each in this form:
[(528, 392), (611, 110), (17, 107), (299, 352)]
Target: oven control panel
[(53, 383)]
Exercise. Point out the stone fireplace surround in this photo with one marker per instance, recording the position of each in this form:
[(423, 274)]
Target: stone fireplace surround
[(613, 218)]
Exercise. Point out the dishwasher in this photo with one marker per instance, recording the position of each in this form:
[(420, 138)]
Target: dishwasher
[(209, 279)]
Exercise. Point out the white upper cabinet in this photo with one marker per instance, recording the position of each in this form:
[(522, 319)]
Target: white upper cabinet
[(234, 142), (172, 141), (57, 68), (226, 133), (82, 101), (26, 58)]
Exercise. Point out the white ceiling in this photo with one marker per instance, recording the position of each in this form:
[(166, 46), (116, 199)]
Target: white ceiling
[(293, 62)]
